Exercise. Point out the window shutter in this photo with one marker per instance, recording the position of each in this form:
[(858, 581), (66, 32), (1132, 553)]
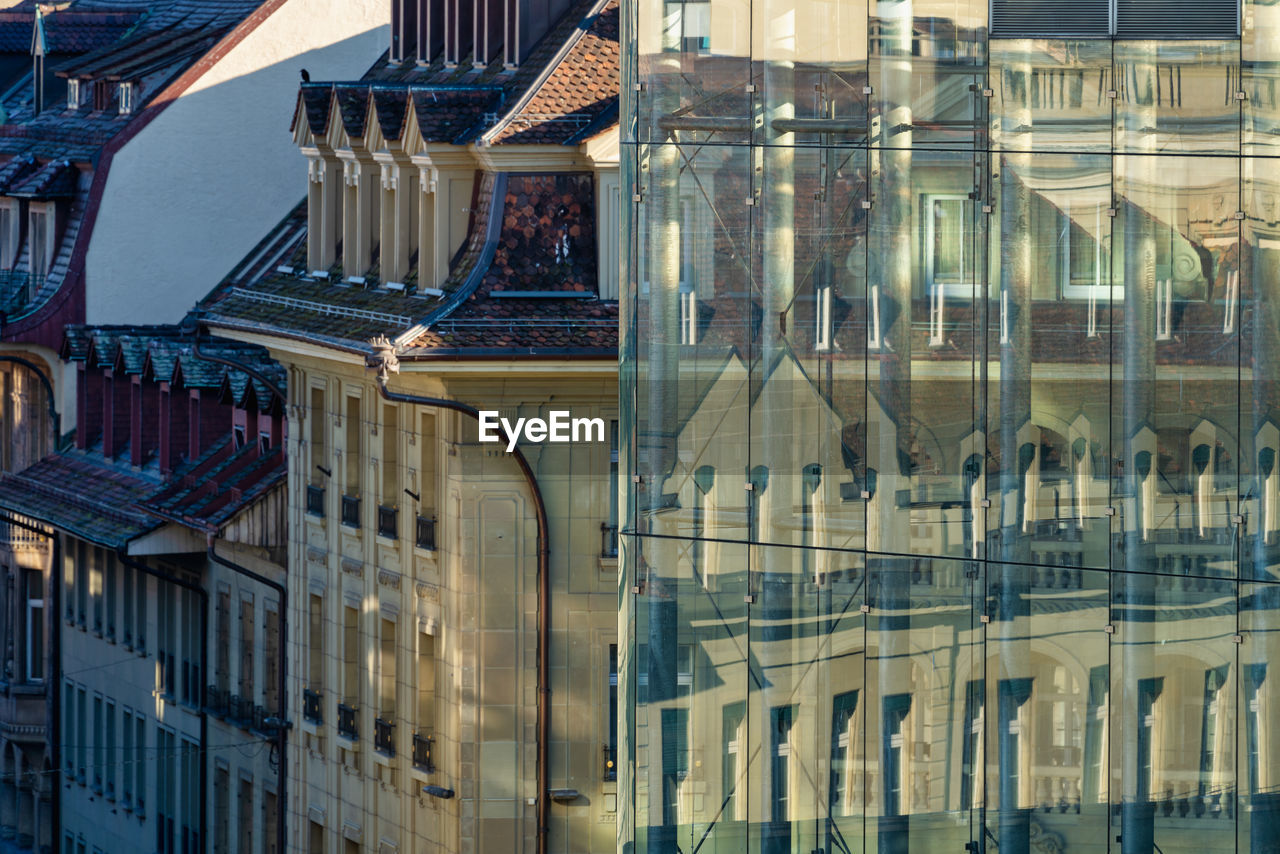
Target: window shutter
[(1133, 19), (1177, 19), (1019, 19)]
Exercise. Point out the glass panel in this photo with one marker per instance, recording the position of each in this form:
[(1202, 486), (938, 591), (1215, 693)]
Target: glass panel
[(814, 58), (1176, 253), (922, 655), (1048, 376), (1260, 77), (926, 71), (1177, 96), (692, 754), (696, 330), (807, 661), (808, 385), (1046, 689), (1259, 703), (1257, 305), (1173, 687), (925, 263), (1050, 95), (695, 64)]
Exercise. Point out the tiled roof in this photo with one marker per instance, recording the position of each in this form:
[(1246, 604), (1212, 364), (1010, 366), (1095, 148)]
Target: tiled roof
[(66, 31), (579, 96), (83, 495), (213, 489), (57, 179)]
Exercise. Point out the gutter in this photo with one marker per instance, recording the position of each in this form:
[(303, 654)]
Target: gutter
[(387, 363)]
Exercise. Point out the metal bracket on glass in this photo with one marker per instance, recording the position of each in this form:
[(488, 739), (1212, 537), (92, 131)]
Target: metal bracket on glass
[(866, 609), (1240, 96), (987, 93), (985, 618), (1239, 214), (866, 495), (1109, 629), (749, 201), (639, 87), (1237, 638), (750, 599), (751, 87), (867, 90), (1109, 511), (1112, 94), (637, 478), (1111, 211), (635, 588), (1237, 519), (987, 208), (986, 502), (637, 198), (866, 204)]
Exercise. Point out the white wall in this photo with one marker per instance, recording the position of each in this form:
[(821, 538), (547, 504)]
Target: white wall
[(201, 185)]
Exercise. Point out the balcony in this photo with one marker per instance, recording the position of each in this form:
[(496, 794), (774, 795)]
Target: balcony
[(351, 510), (608, 540), (311, 706), (315, 501), (347, 721), (240, 711), (422, 745), (384, 736), (218, 701), (388, 522), (425, 535)]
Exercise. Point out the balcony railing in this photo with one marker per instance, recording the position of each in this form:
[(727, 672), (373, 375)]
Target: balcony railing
[(388, 522), (315, 501), (240, 711), (351, 510), (347, 721), (426, 533), (311, 706), (384, 736), (218, 701), (422, 745), (608, 540)]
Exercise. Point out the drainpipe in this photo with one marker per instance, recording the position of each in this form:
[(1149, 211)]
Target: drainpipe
[(386, 362), (281, 721), (53, 740), (123, 554)]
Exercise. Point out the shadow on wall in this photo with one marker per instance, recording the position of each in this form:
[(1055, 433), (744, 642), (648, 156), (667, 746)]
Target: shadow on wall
[(191, 195)]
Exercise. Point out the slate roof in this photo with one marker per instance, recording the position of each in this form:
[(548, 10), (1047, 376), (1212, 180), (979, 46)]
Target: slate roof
[(80, 493), (225, 480), (67, 31)]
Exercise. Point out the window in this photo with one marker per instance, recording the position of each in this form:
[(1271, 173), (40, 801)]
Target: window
[(101, 95), (319, 460), (271, 658), (315, 843), (734, 736), (611, 734), (1129, 19), (166, 792), (73, 94), (109, 757), (270, 816), (971, 759), (221, 809), (315, 645), (139, 761), (822, 319), (352, 451), (99, 746), (82, 736), (68, 717), (426, 683), (127, 595), (844, 764), (126, 785), (390, 472), (109, 585), (610, 223), (126, 98), (244, 813), (82, 583), (384, 734), (189, 805), (222, 634), (948, 258), (675, 761), (39, 228), (95, 588), (33, 582), (246, 647), (782, 718), (688, 315), (350, 656), (140, 611), (10, 234)]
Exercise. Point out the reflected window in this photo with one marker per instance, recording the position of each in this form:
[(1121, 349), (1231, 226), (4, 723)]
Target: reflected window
[(1212, 748), (734, 734), (781, 719), (1083, 256), (1095, 776), (1148, 695), (970, 791), (844, 766), (822, 319), (675, 761)]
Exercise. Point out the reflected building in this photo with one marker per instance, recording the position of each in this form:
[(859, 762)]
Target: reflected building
[(950, 410)]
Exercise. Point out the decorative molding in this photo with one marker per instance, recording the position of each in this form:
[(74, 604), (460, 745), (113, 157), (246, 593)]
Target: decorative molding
[(430, 592), (387, 578), (351, 566)]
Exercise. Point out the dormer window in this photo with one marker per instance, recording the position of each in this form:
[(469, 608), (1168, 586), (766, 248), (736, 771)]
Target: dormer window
[(10, 233), (73, 94), (126, 98), (101, 95), (40, 233)]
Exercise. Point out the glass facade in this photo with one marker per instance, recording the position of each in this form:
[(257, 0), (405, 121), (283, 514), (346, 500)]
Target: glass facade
[(951, 434)]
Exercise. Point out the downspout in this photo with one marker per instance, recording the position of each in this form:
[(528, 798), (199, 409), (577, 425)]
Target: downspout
[(123, 554), (281, 724), (386, 361), (54, 740), (239, 366)]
